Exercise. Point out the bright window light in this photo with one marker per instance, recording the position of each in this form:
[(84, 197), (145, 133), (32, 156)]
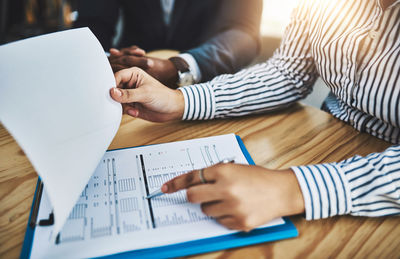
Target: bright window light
[(275, 16)]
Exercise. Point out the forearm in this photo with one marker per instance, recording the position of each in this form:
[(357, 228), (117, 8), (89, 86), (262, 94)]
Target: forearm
[(284, 79), (360, 186), (263, 87)]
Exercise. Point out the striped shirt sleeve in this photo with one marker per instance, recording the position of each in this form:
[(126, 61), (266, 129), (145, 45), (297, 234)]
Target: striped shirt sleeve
[(360, 186), (282, 80)]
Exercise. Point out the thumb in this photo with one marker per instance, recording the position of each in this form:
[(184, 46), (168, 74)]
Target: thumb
[(127, 95)]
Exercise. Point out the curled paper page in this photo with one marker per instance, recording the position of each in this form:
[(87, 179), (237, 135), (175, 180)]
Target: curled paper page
[(54, 100)]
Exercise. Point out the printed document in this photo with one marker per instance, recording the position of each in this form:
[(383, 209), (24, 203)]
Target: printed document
[(112, 215)]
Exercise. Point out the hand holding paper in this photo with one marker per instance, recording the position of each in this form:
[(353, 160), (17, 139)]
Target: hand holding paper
[(144, 97), (55, 101)]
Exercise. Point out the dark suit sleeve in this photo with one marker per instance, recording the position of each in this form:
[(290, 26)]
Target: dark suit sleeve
[(100, 16), (236, 41)]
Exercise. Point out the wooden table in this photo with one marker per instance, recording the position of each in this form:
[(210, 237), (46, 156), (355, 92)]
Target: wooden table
[(298, 135)]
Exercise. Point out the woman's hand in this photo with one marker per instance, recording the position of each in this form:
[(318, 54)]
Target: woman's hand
[(143, 96), (241, 197)]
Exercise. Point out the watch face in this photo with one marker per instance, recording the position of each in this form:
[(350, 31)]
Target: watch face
[(186, 79)]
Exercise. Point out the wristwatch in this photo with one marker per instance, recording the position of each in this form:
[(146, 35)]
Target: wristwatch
[(185, 77)]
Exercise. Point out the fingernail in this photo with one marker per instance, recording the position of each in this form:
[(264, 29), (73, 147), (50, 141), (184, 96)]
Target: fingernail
[(150, 63), (133, 113), (164, 188), (117, 92)]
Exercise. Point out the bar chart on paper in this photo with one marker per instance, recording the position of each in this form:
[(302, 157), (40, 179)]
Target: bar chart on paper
[(113, 201), (110, 205), (112, 214), (171, 209)]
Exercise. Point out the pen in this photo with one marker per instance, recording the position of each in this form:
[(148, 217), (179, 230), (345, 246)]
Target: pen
[(159, 192)]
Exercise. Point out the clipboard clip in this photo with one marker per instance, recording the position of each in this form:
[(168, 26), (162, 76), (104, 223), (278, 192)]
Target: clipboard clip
[(35, 209)]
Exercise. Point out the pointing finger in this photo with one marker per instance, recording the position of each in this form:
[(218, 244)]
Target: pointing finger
[(190, 179)]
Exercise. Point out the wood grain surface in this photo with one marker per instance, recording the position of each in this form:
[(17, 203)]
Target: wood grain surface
[(299, 135)]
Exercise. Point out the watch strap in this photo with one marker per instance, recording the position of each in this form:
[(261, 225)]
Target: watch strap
[(180, 64)]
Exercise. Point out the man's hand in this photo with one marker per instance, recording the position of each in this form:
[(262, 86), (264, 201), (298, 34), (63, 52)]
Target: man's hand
[(143, 96), (161, 69), (241, 197), (136, 54)]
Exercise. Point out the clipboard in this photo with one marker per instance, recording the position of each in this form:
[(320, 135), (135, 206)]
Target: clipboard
[(238, 239)]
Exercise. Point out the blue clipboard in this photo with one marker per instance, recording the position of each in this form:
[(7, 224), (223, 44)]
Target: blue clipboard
[(261, 235)]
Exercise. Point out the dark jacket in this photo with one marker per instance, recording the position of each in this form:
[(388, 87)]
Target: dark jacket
[(222, 35)]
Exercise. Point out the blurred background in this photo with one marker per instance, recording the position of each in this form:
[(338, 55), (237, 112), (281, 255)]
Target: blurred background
[(21, 19)]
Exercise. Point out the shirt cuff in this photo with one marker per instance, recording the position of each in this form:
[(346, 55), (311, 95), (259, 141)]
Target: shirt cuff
[(325, 190), (199, 102), (193, 66)]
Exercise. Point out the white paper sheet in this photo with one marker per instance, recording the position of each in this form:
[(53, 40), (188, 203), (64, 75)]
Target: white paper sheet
[(54, 100), (112, 215)]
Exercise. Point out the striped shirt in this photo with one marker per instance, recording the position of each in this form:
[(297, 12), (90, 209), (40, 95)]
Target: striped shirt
[(354, 46)]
